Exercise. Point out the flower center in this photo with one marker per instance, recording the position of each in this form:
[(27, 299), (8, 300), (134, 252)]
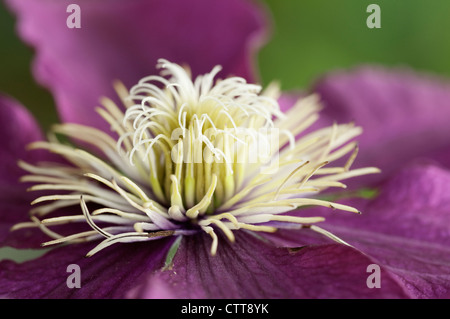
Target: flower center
[(193, 136), (190, 156)]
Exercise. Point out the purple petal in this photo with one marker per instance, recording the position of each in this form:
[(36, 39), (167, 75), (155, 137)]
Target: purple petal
[(406, 229), (404, 115), (17, 128), (251, 268), (105, 275), (413, 204), (123, 40)]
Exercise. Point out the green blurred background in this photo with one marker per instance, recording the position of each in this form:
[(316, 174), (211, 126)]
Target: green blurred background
[(309, 38)]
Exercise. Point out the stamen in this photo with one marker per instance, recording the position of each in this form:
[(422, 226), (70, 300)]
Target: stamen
[(210, 231), (75, 238), (298, 220), (219, 224), (187, 159), (201, 207), (328, 234), (90, 221), (289, 177)]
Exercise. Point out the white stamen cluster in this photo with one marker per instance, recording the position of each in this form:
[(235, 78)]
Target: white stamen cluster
[(189, 157)]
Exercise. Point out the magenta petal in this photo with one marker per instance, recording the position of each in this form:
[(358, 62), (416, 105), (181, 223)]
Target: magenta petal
[(404, 115), (17, 129), (413, 204), (406, 229), (105, 275), (123, 40), (251, 268)]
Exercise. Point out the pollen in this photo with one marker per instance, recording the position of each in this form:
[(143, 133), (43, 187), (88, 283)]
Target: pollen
[(189, 156)]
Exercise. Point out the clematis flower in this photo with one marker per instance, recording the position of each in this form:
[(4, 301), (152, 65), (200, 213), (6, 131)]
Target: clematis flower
[(158, 187)]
